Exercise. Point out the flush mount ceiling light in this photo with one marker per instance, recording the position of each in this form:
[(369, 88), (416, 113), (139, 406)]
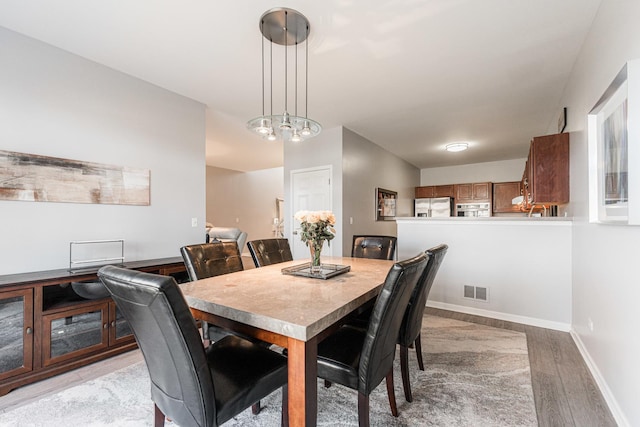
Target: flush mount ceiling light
[(285, 27), (458, 146)]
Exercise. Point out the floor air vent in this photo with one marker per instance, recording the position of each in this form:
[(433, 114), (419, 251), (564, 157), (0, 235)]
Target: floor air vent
[(476, 292)]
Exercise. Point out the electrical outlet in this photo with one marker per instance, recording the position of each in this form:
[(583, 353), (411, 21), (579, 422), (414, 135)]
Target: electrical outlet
[(194, 222), (350, 220)]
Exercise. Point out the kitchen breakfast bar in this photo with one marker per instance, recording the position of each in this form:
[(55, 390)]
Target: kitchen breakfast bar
[(508, 268)]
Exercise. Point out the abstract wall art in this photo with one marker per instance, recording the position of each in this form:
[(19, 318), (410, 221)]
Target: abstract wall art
[(35, 178)]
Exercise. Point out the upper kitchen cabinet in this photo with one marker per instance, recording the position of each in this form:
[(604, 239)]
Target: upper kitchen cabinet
[(475, 192), (503, 195), (546, 176), (434, 191)]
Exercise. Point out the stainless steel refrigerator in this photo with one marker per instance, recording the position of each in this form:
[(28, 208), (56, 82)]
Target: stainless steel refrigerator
[(434, 207)]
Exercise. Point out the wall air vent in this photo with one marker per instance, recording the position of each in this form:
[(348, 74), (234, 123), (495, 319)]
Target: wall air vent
[(478, 293)]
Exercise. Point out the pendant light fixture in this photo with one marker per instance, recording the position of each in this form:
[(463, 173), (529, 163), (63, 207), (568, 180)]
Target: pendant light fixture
[(288, 28)]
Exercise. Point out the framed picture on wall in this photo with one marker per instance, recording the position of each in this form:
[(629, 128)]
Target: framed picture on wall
[(385, 204), (613, 131)]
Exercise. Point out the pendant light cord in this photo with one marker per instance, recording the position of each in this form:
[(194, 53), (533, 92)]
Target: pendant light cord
[(286, 32), (296, 79), (262, 40), (271, 73), (306, 73)]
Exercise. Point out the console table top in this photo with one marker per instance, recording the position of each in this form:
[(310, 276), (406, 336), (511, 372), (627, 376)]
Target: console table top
[(63, 274)]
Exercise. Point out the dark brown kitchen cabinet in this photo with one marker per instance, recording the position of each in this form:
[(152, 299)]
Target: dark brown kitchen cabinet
[(546, 176), (503, 194), (46, 328), (473, 192), (435, 191)]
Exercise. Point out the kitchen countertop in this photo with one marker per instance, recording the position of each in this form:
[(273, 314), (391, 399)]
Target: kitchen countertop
[(490, 221), (491, 218)]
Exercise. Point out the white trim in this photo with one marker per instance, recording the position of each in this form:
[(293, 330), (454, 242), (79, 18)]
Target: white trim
[(541, 323), (612, 403)]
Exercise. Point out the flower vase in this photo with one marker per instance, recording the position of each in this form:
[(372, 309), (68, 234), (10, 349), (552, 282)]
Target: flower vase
[(316, 251)]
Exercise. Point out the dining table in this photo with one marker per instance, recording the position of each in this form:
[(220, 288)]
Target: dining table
[(291, 311)]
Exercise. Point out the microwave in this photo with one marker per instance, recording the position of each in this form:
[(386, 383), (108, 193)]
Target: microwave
[(473, 209)]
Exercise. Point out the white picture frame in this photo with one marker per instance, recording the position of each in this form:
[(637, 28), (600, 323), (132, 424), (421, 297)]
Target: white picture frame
[(614, 150)]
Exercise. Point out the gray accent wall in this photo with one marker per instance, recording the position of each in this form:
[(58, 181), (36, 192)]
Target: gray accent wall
[(57, 104), (365, 167)]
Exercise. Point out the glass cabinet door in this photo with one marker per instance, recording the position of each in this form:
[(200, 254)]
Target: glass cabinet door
[(16, 332), (120, 331), (75, 332)]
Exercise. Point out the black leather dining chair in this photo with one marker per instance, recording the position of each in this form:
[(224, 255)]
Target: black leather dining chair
[(375, 247), (191, 384), (412, 321), (269, 251), (360, 358), (208, 260)]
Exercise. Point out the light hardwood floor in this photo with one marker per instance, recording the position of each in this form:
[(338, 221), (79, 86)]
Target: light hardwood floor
[(564, 390), (565, 393)]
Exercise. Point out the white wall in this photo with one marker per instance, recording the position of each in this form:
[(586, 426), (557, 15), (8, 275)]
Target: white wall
[(605, 261), (322, 150), (367, 166), (246, 200), (358, 167), (500, 171), (525, 264), (57, 104)]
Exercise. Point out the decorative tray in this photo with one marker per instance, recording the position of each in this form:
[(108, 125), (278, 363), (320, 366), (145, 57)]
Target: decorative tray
[(327, 270)]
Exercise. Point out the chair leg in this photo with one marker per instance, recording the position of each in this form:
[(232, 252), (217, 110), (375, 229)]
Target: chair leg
[(419, 353), (391, 393), (363, 410), (158, 417), (404, 369), (255, 408), (285, 406)]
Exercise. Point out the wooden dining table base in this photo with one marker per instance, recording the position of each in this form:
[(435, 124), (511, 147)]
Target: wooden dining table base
[(303, 390), (302, 367)]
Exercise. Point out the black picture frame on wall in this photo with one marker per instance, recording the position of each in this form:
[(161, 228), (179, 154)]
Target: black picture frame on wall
[(386, 204)]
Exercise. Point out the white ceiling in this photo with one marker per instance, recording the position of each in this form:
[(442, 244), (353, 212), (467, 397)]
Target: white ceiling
[(409, 75)]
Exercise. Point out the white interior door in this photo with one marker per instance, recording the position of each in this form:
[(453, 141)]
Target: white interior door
[(310, 191)]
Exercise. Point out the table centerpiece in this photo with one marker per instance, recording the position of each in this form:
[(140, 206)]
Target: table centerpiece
[(316, 227)]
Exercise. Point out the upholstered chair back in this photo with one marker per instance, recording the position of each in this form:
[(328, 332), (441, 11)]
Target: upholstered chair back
[(412, 322), (376, 247), (211, 259), (269, 251)]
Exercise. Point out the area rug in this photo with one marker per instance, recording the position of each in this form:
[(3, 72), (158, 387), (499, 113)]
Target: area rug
[(475, 376)]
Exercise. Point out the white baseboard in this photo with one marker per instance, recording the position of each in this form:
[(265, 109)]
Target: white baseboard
[(541, 323), (617, 413)]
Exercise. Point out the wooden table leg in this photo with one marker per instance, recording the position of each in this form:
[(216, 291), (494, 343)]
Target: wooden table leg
[(303, 392)]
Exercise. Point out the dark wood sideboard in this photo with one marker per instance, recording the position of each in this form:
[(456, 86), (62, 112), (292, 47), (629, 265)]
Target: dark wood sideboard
[(46, 328)]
